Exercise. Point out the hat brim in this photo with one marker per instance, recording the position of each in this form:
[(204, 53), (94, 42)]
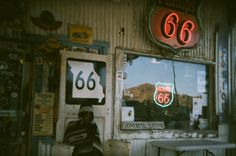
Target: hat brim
[(42, 25), (86, 109)]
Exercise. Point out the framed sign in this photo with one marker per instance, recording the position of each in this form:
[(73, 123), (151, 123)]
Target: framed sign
[(174, 24), (80, 34), (43, 114), (129, 125), (85, 82)]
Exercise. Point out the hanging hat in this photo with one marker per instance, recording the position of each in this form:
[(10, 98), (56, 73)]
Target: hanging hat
[(46, 21)]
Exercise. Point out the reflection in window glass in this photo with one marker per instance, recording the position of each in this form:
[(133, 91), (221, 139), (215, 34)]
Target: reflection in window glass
[(165, 90)]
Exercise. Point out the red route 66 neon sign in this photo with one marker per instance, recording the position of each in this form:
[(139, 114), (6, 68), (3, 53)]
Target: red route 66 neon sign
[(175, 30), (184, 30), (164, 94)]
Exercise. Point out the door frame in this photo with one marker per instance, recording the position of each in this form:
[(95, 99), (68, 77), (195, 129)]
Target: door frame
[(102, 113)]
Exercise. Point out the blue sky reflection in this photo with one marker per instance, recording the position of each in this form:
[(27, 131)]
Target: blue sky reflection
[(150, 70)]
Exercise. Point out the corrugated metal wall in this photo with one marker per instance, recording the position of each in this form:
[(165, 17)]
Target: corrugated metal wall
[(123, 23)]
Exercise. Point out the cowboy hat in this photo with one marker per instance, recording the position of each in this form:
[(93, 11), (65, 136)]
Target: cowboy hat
[(46, 21)]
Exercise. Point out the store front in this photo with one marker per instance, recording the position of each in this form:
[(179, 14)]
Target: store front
[(167, 94), (153, 70)]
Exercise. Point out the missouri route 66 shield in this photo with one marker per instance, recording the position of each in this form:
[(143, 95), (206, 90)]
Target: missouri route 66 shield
[(164, 94)]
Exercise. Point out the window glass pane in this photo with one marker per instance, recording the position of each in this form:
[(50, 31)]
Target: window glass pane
[(165, 90)]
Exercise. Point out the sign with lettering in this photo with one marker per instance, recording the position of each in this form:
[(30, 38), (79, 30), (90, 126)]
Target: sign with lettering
[(223, 74), (131, 125), (84, 82), (80, 34), (43, 114), (164, 94), (174, 24)]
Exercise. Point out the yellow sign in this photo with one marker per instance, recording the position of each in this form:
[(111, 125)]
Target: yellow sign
[(80, 34)]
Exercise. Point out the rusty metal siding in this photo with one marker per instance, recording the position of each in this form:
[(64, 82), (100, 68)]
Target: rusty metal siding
[(123, 23), (101, 15), (211, 14)]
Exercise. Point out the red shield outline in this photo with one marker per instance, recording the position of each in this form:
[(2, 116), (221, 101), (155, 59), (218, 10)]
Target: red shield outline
[(155, 20), (164, 94)]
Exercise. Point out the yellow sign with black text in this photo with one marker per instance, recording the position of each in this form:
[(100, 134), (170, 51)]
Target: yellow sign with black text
[(80, 34)]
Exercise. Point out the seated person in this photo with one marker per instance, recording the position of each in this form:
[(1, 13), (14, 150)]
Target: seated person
[(84, 134)]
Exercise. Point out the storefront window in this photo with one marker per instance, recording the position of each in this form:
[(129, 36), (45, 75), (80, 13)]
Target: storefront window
[(169, 91)]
